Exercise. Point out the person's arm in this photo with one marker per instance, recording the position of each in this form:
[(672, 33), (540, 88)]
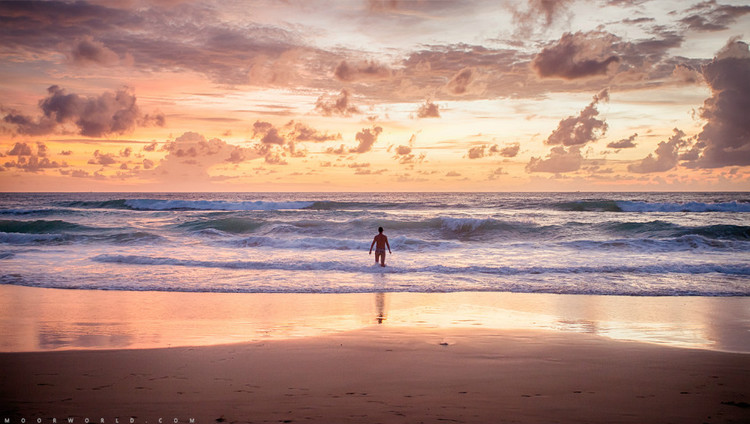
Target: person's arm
[(373, 244), (389, 246)]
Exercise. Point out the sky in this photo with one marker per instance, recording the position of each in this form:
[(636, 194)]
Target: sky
[(356, 95)]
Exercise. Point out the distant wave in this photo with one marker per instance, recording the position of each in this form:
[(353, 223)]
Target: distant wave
[(227, 225), (638, 206), (37, 212), (666, 229), (39, 226), (200, 205), (677, 244), (119, 238)]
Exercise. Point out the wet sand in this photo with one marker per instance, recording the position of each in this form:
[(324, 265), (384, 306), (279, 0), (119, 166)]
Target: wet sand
[(385, 375)]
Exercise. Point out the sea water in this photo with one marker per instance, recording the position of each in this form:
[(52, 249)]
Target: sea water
[(635, 244)]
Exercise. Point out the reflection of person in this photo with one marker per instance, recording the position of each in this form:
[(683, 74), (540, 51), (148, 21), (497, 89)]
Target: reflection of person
[(380, 242), (380, 303)]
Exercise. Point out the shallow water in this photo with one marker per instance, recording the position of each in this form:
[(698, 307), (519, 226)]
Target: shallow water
[(635, 244)]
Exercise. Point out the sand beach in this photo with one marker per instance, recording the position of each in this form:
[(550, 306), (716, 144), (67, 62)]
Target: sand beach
[(417, 365)]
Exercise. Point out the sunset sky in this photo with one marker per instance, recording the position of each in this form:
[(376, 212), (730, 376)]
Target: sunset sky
[(590, 95)]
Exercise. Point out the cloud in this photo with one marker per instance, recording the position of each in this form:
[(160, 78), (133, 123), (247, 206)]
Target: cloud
[(460, 82), (403, 150), (581, 129), (30, 161), (725, 138), (428, 110), (88, 51), (538, 14), (625, 143), (510, 151), (108, 113), (191, 155), (453, 174), (365, 70), (20, 149), (196, 38), (405, 156), (664, 158), (102, 158), (574, 56), (558, 161), (486, 150), (685, 74), (276, 142), (366, 138), (710, 16), (328, 105), (496, 174)]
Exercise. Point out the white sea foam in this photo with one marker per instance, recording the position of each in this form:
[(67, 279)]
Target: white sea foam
[(632, 206)]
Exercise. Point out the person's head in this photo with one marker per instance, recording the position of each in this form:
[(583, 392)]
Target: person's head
[(380, 230)]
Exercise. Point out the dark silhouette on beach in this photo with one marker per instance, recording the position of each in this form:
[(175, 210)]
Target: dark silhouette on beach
[(380, 242)]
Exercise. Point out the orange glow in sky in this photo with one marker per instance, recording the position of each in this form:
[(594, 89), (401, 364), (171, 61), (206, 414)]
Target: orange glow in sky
[(173, 95)]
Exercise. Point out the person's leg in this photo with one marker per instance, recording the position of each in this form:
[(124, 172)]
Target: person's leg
[(377, 255), (382, 259)]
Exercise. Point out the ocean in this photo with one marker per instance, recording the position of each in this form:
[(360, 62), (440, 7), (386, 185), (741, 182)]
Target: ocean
[(632, 244)]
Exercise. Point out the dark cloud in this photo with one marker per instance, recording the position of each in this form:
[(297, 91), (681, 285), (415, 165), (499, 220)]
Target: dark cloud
[(538, 14), (460, 82), (625, 143), (359, 165), (402, 150), (88, 51), (102, 158), (277, 142), (477, 152), (725, 138), (108, 113), (486, 150), (150, 147), (30, 161), (301, 132), (509, 151), (685, 74), (641, 20), (404, 155), (185, 37), (365, 70), (340, 105), (573, 56), (428, 110), (20, 149), (272, 137), (366, 138), (664, 158), (27, 125), (711, 16), (581, 129), (34, 164), (558, 161)]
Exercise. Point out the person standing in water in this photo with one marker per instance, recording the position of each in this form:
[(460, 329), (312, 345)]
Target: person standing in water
[(380, 242)]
